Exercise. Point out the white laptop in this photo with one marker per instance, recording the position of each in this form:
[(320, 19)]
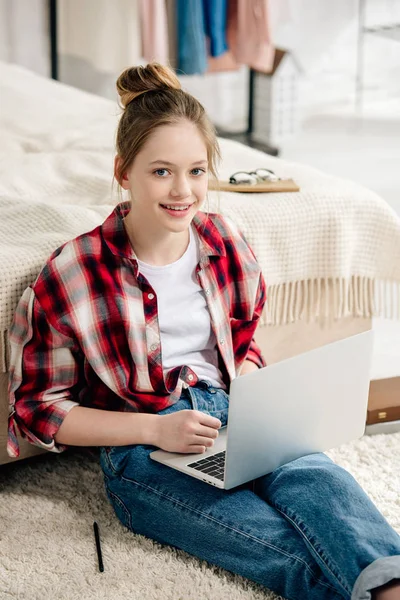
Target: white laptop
[(302, 405)]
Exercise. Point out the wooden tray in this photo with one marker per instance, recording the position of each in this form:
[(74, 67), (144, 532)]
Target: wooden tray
[(283, 185)]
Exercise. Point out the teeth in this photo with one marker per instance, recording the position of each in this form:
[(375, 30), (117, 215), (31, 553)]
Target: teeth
[(175, 208)]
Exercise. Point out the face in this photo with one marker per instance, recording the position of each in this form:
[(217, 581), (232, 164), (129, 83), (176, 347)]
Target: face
[(168, 179)]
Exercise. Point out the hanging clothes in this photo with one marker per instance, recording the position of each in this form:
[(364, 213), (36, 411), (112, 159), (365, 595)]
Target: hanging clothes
[(172, 33), (192, 50), (154, 29), (215, 18), (224, 61), (248, 34), (99, 32), (201, 33)]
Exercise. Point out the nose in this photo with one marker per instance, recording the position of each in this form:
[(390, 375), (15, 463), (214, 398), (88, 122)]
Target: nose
[(181, 188)]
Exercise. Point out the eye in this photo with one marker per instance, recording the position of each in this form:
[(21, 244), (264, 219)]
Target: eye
[(159, 172), (200, 171)]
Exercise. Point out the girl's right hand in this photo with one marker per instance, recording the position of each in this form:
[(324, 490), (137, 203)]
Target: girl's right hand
[(187, 431)]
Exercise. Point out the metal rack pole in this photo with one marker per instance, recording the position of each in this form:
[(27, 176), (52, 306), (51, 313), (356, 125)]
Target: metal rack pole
[(53, 38)]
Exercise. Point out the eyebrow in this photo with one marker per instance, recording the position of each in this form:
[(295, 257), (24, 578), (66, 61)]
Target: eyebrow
[(170, 164)]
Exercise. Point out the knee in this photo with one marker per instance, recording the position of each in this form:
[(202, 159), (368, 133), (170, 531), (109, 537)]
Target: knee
[(316, 473), (310, 462)]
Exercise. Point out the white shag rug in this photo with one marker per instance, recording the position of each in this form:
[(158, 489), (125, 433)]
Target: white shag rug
[(47, 549)]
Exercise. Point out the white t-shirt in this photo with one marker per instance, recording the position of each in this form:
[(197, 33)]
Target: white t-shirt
[(184, 319)]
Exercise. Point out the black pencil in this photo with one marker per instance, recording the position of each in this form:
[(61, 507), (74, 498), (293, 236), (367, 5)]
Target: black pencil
[(97, 537)]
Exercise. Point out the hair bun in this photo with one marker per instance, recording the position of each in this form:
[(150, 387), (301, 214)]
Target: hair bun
[(135, 81)]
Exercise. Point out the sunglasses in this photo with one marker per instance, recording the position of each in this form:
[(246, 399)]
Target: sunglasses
[(253, 177)]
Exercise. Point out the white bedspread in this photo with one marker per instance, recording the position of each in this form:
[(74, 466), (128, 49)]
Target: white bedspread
[(56, 163)]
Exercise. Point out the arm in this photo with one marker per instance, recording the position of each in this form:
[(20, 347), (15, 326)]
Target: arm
[(43, 387), (93, 427)]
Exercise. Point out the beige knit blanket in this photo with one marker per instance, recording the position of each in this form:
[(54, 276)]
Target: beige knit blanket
[(328, 251)]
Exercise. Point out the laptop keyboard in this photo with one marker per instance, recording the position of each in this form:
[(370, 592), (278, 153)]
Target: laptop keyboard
[(212, 465)]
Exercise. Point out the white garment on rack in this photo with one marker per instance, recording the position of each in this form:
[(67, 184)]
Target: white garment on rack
[(24, 34), (105, 34)]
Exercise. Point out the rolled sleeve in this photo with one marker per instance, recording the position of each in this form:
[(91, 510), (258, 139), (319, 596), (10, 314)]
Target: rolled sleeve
[(43, 377), (254, 351), (255, 356)]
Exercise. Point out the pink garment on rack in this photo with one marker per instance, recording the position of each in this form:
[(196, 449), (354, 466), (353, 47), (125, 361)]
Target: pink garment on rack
[(154, 26), (225, 62), (248, 34)]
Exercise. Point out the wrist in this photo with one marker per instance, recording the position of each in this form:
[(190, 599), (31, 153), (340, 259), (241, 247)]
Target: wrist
[(152, 430)]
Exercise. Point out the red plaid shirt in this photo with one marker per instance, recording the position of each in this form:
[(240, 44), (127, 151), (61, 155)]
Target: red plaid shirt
[(86, 332)]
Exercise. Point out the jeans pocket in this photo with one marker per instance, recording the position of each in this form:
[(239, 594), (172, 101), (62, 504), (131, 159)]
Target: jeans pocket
[(222, 415), (214, 403)]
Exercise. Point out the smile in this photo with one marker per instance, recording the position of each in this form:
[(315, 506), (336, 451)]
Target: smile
[(170, 207), (176, 211)]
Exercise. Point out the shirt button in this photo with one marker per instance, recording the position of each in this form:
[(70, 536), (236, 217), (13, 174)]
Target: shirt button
[(222, 341), (207, 292), (150, 296), (154, 347), (190, 377)]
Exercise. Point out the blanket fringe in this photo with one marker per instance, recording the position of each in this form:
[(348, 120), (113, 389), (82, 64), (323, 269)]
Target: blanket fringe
[(326, 299), (323, 299)]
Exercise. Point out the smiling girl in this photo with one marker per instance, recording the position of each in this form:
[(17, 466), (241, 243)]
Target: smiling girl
[(129, 339)]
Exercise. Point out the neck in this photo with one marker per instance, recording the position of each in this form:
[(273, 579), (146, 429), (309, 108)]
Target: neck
[(154, 248)]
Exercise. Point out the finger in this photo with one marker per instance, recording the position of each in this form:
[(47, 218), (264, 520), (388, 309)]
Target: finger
[(205, 441), (196, 449), (209, 432), (210, 421)]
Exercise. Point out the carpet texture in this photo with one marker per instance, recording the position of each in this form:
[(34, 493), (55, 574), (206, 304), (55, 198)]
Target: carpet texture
[(47, 549)]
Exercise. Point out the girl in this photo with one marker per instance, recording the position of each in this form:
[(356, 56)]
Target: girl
[(128, 340)]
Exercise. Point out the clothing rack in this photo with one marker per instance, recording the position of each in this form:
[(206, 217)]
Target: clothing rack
[(53, 38), (244, 137)]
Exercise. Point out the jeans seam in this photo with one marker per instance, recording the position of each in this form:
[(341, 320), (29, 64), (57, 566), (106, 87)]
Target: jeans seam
[(110, 464), (118, 500), (303, 534), (237, 531)]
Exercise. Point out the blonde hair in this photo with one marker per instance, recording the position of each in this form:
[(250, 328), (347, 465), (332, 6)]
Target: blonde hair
[(151, 96)]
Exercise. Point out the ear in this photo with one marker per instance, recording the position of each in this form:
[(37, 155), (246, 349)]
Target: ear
[(124, 181)]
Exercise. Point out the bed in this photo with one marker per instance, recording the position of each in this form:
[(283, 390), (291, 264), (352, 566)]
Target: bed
[(330, 253)]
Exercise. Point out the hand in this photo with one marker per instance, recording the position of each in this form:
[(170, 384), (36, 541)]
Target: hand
[(247, 367), (187, 431)]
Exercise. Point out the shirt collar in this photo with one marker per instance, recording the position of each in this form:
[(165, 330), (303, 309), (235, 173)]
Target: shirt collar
[(117, 240)]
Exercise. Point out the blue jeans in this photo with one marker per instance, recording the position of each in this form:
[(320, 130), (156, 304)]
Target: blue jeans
[(306, 530)]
